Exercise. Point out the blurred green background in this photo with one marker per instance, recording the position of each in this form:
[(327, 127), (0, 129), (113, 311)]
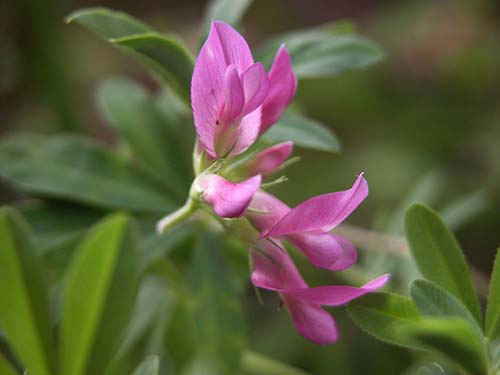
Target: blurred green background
[(425, 122)]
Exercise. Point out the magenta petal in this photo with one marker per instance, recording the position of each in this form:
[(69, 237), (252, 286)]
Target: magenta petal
[(223, 47), (234, 98), (337, 295), (235, 49), (255, 86), (247, 132), (312, 321), (229, 199), (270, 159), (325, 250), (273, 269), (282, 88), (323, 212), (267, 210)]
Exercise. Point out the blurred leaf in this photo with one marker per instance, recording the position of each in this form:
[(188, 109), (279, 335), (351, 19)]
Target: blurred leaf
[(382, 314), (257, 364), (217, 309), (438, 255), (6, 368), (426, 189), (180, 336), (163, 54), (453, 338), (82, 170), (24, 305), (108, 23), (229, 11), (130, 109), (492, 326), (99, 296), (150, 366), (55, 223), (433, 300), (323, 51), (304, 132), (465, 208)]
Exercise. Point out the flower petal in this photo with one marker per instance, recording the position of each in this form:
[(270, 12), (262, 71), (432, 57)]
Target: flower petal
[(223, 47), (270, 159), (266, 210), (325, 250), (273, 269), (282, 88), (234, 98), (255, 85), (335, 295), (229, 199), (234, 47), (312, 321), (323, 212), (247, 132)]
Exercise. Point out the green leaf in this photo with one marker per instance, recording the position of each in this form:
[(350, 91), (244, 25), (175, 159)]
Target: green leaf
[(108, 23), (150, 366), (217, 309), (257, 364), (466, 208), (438, 255), (304, 132), (24, 305), (454, 338), (82, 170), (152, 140), (433, 300), (323, 51), (382, 314), (492, 326), (6, 368), (229, 11), (99, 296), (163, 54)]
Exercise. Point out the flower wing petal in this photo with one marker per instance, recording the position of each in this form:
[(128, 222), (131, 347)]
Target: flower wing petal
[(323, 212)]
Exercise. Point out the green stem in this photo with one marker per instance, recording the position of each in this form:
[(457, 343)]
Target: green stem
[(177, 217)]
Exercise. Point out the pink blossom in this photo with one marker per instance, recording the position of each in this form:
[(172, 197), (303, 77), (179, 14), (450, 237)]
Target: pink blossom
[(228, 199), (270, 159), (306, 226), (233, 98), (275, 270)]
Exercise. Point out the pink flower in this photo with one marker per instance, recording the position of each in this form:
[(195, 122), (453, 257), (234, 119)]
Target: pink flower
[(228, 199), (275, 270), (270, 159), (233, 99), (307, 226)]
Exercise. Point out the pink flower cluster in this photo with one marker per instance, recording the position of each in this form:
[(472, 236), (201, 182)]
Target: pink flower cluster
[(234, 101)]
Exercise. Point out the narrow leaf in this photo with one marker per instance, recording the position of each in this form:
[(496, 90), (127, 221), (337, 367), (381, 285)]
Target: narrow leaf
[(150, 366), (81, 170), (433, 300), (382, 314), (163, 54), (99, 296), (324, 51), (24, 306), (152, 139), (453, 338), (438, 255), (492, 327), (229, 11), (304, 132), (218, 314)]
